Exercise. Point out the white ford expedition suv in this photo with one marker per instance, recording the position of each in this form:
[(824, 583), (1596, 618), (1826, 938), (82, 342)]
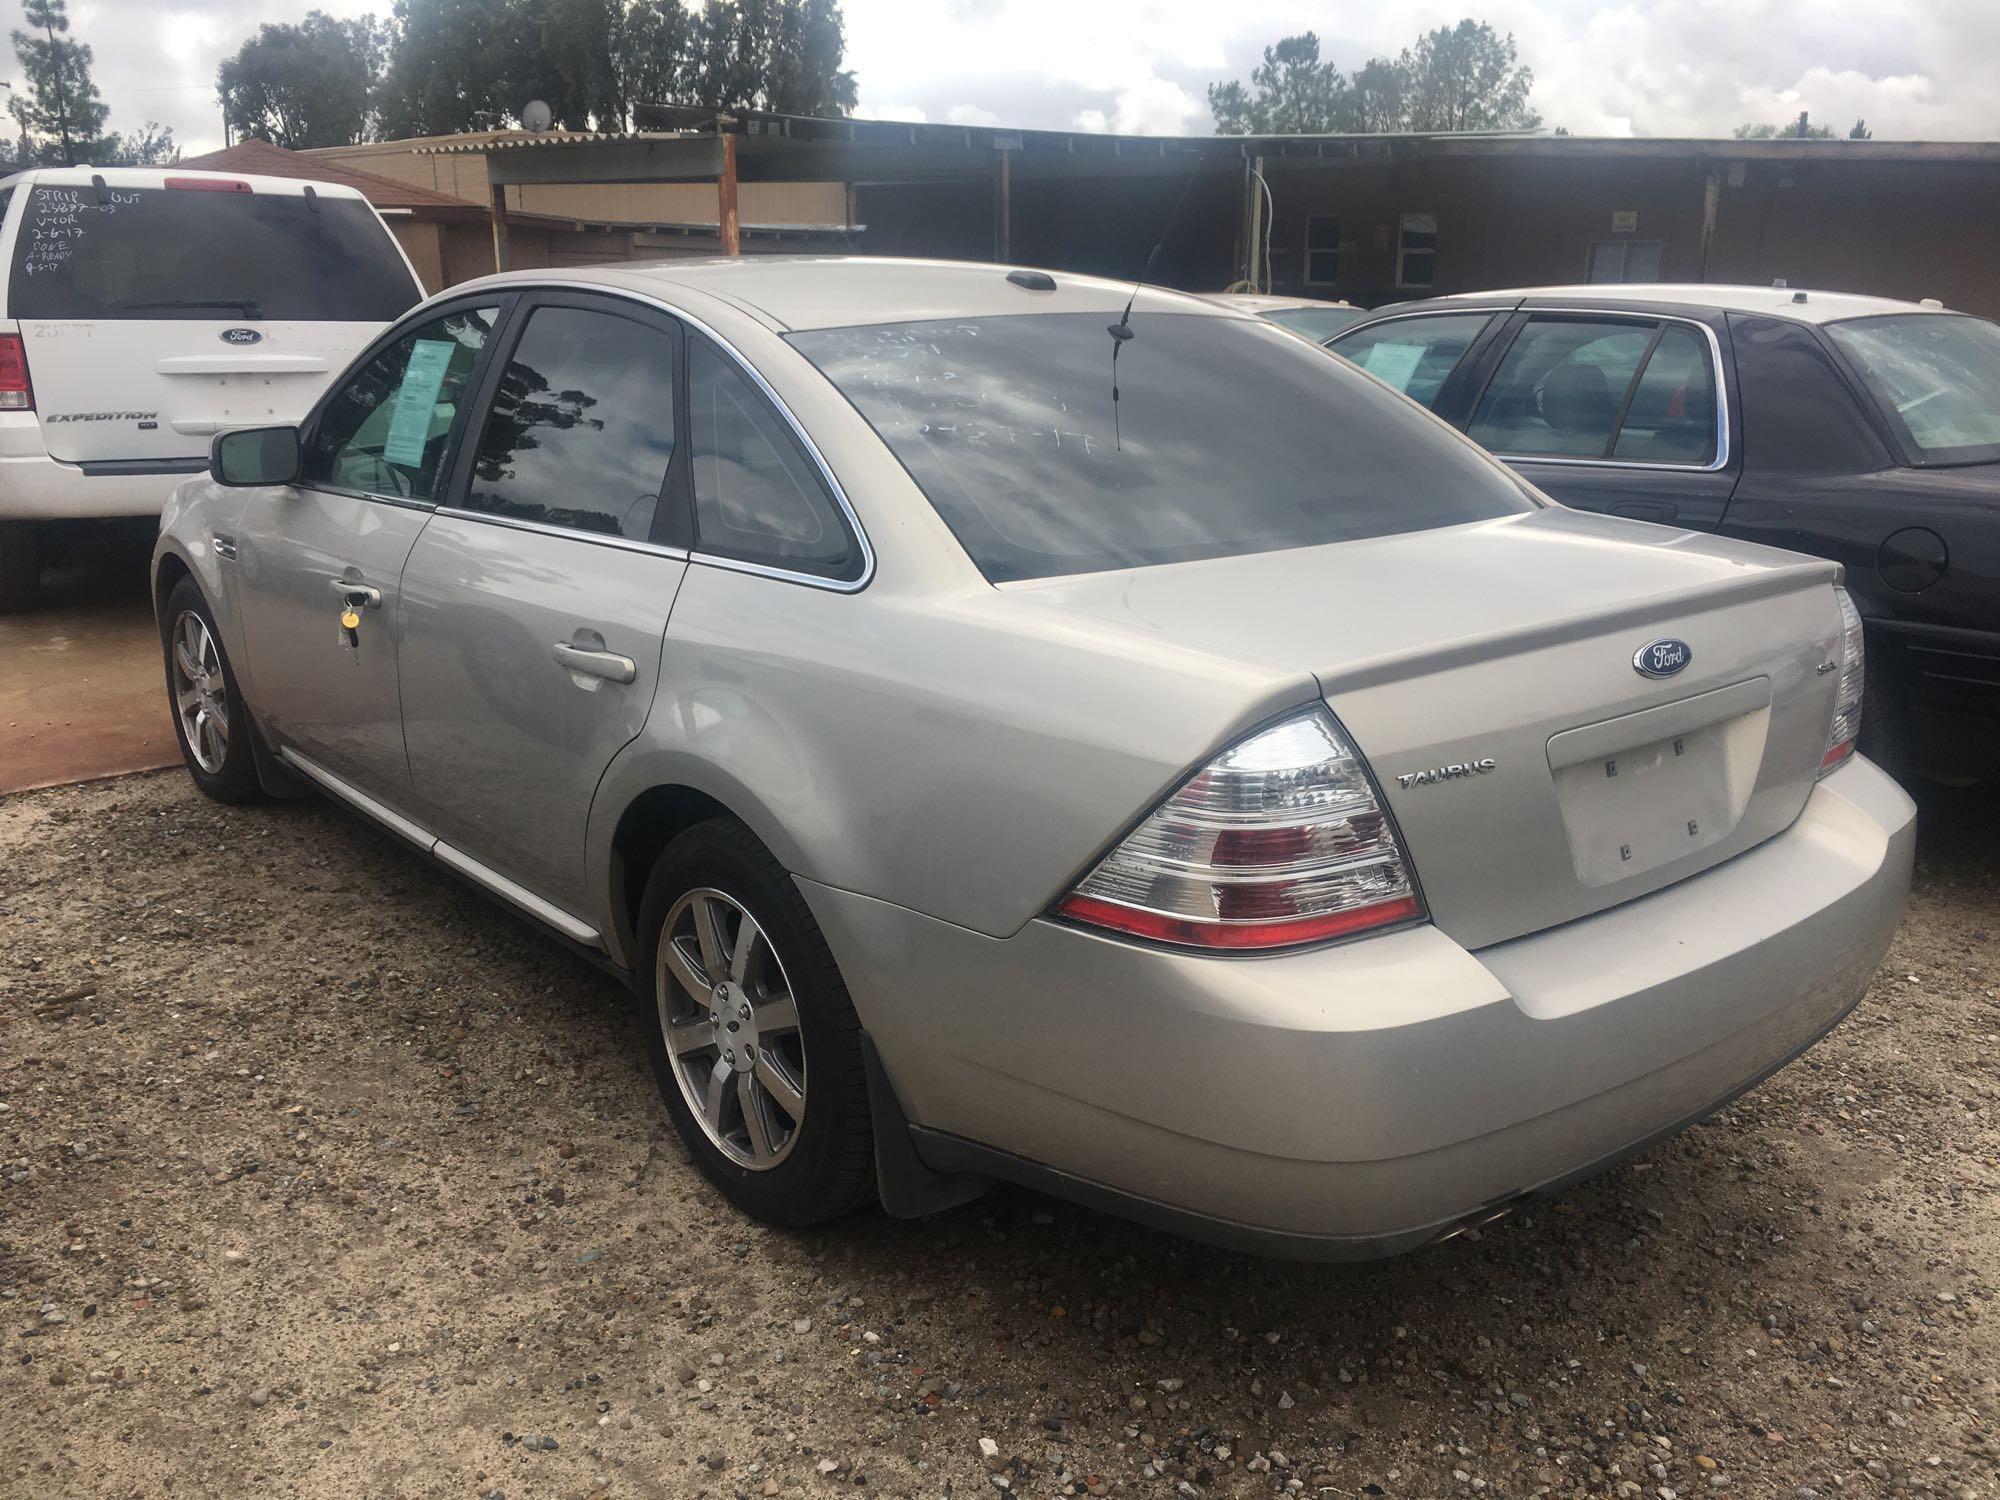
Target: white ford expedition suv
[(143, 310)]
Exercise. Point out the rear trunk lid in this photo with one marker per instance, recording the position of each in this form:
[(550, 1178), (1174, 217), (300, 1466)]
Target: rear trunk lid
[(157, 308), (1487, 673)]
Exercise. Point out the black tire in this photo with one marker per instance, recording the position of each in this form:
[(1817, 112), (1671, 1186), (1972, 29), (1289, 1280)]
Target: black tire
[(20, 565), (233, 778), (1885, 717), (829, 1167)]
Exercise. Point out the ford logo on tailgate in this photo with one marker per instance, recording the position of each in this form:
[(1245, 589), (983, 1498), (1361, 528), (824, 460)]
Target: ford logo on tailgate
[(1661, 658), (241, 336)]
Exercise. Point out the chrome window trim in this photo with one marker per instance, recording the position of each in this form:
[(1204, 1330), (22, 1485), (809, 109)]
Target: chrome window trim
[(569, 533), (710, 559), (1722, 431), (401, 502)]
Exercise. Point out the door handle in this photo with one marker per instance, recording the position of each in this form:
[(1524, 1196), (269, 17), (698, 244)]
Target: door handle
[(356, 592), (606, 664)]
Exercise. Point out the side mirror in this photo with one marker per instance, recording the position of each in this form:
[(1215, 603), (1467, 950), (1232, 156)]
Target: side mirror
[(255, 455)]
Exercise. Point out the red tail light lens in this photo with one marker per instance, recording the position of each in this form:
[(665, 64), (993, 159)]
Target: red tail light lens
[(1277, 842), (16, 393)]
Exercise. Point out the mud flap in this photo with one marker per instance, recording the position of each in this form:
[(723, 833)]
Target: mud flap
[(908, 1188)]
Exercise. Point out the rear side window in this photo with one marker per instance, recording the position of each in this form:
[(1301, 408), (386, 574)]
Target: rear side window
[(1227, 437), (582, 426), (757, 498), (187, 253), (1588, 388), (1415, 355), (384, 430)]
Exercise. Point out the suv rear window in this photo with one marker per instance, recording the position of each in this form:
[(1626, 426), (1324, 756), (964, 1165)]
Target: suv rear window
[(1226, 437), (1937, 378), (183, 253)]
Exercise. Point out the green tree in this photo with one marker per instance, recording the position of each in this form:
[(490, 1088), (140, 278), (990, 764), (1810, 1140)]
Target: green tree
[(449, 66), (1859, 131), (305, 85), (1801, 129), (60, 115), (1456, 78), (152, 145), (567, 54), (1464, 77)]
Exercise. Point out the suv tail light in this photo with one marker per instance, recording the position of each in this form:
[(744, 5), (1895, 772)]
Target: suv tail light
[(1276, 842), (1846, 726), (210, 184), (16, 394)]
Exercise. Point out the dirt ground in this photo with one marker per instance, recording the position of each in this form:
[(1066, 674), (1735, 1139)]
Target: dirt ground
[(321, 1177)]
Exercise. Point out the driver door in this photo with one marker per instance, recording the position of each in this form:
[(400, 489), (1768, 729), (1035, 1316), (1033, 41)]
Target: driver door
[(331, 548)]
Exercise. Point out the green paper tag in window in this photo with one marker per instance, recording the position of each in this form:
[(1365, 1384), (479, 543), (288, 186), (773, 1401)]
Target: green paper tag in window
[(416, 413)]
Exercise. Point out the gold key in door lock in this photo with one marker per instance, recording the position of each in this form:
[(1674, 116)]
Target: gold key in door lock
[(350, 618)]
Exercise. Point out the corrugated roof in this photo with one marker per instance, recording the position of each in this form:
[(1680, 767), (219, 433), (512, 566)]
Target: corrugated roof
[(384, 192)]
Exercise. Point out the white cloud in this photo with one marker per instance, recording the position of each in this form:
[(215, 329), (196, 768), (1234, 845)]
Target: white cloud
[(1157, 107), (970, 114), (913, 114)]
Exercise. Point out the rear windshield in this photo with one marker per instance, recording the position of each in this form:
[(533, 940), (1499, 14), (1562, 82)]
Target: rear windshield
[(185, 253), (1226, 437), (1936, 377)]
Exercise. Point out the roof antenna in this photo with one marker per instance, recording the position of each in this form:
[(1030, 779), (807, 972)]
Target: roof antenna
[(1121, 331)]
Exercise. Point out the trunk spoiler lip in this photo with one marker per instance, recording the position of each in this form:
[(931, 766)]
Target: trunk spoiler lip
[(1489, 645)]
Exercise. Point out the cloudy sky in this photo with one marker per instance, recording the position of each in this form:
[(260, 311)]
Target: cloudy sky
[(1912, 68)]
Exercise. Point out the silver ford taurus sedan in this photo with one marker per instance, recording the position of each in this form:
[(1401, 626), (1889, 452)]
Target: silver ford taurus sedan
[(1009, 726)]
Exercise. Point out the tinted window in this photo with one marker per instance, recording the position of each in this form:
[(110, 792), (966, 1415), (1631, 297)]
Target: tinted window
[(1560, 388), (1671, 417), (1799, 417), (1228, 437), (1937, 377), (582, 425), (386, 427), (757, 497), (1315, 323), (182, 253), (1415, 355)]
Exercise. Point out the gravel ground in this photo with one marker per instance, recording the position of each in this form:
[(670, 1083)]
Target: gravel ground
[(321, 1177)]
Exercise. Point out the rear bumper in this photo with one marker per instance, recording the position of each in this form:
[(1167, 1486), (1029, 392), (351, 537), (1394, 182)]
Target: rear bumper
[(1362, 1099), (35, 487)]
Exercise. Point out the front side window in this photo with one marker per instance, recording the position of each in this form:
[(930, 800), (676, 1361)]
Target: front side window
[(1560, 388), (1416, 251), (1228, 437), (1322, 250), (189, 253), (1936, 376), (582, 425), (385, 429), (1415, 355), (757, 497)]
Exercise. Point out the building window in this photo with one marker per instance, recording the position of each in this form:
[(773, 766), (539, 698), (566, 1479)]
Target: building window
[(1624, 260), (1322, 250), (1416, 250)]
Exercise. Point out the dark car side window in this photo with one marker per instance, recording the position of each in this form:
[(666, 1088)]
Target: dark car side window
[(1799, 416), (1636, 391), (581, 429), (1415, 355), (384, 431), (757, 497)]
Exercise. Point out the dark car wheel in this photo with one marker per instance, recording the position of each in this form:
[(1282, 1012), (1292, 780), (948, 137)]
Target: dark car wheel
[(755, 1042), (209, 718)]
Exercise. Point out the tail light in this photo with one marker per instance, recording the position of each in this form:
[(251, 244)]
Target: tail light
[(209, 184), (1846, 726), (16, 394), (1276, 842)]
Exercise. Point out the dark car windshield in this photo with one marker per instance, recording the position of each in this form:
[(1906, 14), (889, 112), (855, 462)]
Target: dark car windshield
[(1227, 437), (186, 253), (1937, 378)]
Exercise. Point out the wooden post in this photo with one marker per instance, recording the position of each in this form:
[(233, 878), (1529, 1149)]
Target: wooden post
[(725, 199), (1003, 227), (1710, 192), (502, 259)]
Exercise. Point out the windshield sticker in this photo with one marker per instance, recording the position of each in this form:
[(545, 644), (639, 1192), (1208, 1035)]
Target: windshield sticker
[(416, 402)]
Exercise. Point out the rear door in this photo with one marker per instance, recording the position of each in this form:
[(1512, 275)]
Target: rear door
[(1610, 411), (535, 603), (156, 310)]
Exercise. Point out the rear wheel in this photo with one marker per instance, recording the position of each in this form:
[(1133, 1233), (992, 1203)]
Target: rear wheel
[(756, 1046), (209, 718), (20, 565)]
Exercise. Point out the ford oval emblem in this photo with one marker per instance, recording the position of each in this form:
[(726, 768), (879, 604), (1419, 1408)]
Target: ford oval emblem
[(1661, 658), (242, 336)]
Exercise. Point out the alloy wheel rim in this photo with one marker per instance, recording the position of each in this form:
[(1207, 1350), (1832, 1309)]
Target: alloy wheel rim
[(731, 1023), (200, 700)]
